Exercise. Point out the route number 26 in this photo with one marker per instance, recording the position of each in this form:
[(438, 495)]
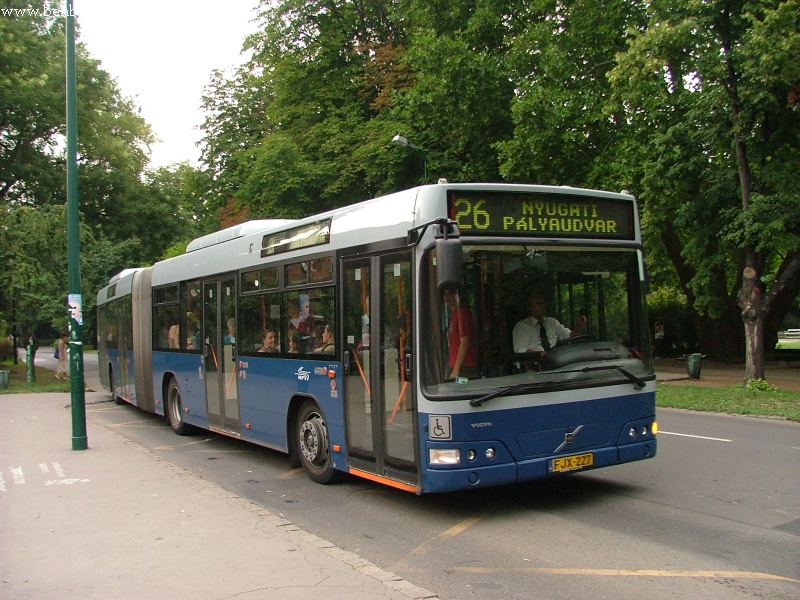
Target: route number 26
[(469, 214)]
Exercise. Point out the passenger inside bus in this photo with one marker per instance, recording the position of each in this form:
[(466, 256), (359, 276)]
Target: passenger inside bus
[(462, 349), (269, 342), (328, 344), (174, 337), (294, 343)]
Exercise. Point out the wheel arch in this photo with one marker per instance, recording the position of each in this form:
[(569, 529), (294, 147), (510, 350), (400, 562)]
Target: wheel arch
[(292, 415), (165, 380)]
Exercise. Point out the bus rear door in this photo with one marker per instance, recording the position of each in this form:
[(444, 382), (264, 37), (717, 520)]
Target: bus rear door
[(219, 354)]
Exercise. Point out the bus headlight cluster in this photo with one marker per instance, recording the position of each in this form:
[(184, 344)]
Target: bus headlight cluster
[(444, 456), (452, 456), (644, 431)]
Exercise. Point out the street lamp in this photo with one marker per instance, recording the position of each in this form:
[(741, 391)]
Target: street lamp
[(402, 141)]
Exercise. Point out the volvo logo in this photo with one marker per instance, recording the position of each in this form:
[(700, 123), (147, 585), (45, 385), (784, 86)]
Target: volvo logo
[(569, 437)]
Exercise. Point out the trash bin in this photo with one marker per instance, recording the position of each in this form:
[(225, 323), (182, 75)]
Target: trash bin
[(693, 364), (4, 375)]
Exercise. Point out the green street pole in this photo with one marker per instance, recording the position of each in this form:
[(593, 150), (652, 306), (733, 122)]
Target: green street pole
[(74, 299)]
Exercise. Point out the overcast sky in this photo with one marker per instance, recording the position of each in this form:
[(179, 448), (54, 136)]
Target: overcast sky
[(162, 52)]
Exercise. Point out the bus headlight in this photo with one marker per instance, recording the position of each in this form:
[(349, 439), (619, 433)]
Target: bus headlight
[(441, 456)]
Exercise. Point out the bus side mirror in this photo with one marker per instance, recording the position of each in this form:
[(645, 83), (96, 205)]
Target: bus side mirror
[(449, 264)]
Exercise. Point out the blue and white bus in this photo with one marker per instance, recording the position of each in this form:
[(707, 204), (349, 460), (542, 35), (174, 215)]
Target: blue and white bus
[(329, 338)]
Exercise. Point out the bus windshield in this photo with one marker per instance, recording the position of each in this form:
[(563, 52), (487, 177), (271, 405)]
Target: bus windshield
[(554, 317)]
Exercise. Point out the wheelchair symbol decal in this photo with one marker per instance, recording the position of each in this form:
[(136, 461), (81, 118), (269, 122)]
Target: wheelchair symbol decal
[(439, 427)]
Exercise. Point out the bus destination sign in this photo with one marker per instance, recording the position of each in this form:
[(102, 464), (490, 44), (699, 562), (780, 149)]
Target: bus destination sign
[(541, 215)]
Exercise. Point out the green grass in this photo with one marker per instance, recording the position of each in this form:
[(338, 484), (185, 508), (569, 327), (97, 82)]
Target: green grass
[(732, 400), (44, 382), (788, 344)]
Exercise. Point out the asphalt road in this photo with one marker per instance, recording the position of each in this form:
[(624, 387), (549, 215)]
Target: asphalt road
[(715, 515)]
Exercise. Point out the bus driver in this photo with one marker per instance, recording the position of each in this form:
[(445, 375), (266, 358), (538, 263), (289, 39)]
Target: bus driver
[(537, 333)]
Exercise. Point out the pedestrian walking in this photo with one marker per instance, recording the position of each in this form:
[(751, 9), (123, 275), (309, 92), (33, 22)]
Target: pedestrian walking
[(659, 337), (62, 355)]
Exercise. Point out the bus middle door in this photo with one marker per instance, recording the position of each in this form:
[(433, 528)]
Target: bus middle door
[(380, 409)]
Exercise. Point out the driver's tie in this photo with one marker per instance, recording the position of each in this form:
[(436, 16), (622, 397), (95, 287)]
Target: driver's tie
[(543, 336)]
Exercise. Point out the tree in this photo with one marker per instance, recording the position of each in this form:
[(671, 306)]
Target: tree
[(31, 107), (117, 204), (709, 91), (560, 55), (113, 138), (33, 250)]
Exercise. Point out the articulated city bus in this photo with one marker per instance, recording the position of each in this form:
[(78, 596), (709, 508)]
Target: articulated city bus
[(398, 339)]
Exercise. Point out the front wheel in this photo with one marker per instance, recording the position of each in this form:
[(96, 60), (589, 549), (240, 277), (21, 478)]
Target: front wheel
[(174, 409), (313, 446)]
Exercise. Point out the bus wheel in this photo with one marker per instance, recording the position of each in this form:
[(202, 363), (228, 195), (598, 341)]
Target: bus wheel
[(313, 447), (113, 385), (175, 409)]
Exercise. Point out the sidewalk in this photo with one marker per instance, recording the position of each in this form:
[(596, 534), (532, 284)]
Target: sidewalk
[(116, 521), (714, 373)]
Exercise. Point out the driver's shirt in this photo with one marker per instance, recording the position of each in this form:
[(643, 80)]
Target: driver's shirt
[(526, 334)]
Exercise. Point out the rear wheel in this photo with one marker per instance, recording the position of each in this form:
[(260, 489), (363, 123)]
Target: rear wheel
[(113, 385), (313, 446), (174, 409)]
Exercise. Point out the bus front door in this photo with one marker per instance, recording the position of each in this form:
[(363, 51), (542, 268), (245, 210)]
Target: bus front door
[(219, 354), (380, 408)]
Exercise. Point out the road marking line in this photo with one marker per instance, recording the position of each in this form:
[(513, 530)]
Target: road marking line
[(629, 573), (699, 437), (138, 423), (448, 533), (294, 472)]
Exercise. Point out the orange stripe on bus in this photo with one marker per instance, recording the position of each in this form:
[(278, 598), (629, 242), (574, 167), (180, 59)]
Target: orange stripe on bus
[(384, 480)]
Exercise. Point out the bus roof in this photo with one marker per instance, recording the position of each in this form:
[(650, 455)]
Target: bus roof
[(236, 231), (384, 218)]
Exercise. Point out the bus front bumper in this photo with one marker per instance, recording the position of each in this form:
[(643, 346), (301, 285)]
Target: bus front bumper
[(446, 479)]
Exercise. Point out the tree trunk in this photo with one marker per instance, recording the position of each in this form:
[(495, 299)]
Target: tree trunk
[(752, 301)]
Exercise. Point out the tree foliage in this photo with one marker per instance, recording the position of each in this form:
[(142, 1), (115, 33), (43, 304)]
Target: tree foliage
[(128, 216), (709, 98)]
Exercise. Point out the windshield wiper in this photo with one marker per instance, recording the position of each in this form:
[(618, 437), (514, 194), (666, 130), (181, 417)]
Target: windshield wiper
[(637, 382), (507, 391)]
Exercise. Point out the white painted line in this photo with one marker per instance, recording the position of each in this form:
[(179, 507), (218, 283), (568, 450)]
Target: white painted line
[(699, 437), (18, 475)]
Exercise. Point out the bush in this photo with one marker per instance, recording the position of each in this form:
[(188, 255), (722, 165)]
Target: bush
[(670, 304), (759, 385), (6, 349)]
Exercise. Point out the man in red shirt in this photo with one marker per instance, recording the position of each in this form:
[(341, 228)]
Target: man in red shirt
[(463, 353)]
